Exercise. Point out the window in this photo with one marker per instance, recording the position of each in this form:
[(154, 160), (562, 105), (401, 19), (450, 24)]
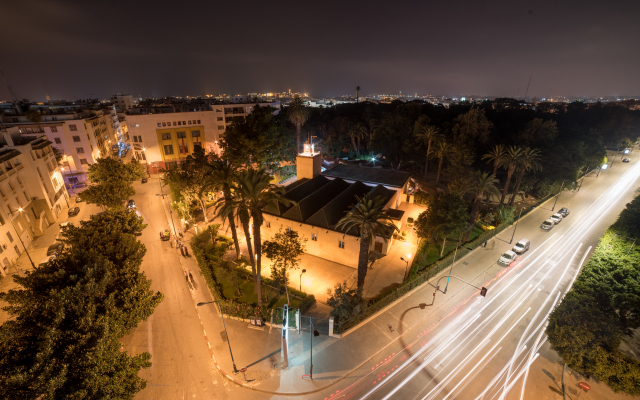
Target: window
[(140, 138), (219, 119), (91, 147), (189, 122), (174, 123), (135, 138), (198, 122), (159, 125), (195, 133), (15, 247), (166, 136), (218, 109), (179, 122), (72, 127), (341, 244), (83, 161), (184, 149), (144, 157), (289, 229), (184, 122), (182, 135), (9, 236), (268, 224), (2, 220), (80, 150), (38, 169), (314, 237), (220, 127), (164, 124), (57, 140), (27, 197), (168, 149), (76, 138), (54, 129)]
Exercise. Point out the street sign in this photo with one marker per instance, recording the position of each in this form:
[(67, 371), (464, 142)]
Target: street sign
[(584, 385)]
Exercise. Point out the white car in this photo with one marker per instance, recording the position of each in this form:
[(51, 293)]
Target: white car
[(557, 217), (507, 258), (548, 224), (521, 246)]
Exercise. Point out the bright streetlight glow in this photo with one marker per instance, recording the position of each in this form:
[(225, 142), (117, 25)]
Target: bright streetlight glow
[(604, 166)]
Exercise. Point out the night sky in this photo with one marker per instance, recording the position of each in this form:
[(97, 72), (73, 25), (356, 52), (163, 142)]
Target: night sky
[(153, 48)]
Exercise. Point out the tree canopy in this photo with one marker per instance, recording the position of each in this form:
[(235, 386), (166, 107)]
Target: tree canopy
[(112, 182)]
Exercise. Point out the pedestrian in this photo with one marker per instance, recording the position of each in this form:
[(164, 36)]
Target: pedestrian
[(485, 243), (391, 328), (180, 232)]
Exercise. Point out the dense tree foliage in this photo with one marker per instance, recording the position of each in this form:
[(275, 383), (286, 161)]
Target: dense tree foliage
[(603, 309), (446, 216), (284, 251), (112, 182), (63, 340)]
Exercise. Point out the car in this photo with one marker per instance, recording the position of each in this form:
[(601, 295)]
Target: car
[(65, 224), (45, 260), (144, 180), (79, 185), (55, 248), (79, 199), (564, 211), (626, 160), (521, 246), (557, 217), (73, 211), (507, 258), (548, 224), (131, 204)]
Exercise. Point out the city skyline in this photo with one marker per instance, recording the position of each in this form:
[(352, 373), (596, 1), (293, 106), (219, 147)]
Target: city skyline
[(94, 50)]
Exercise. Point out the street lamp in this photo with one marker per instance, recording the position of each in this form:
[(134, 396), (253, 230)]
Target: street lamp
[(303, 271), (407, 264), (602, 168), (25, 247), (225, 331), (555, 202)]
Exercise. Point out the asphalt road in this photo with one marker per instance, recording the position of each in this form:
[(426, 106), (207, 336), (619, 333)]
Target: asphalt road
[(473, 347)]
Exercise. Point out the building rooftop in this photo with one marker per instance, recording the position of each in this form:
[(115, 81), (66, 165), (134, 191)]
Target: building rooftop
[(369, 175)]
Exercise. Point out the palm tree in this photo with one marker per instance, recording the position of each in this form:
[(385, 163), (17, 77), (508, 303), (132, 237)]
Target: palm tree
[(527, 161), (223, 176), (369, 217), (442, 148), (427, 135), (481, 184), (495, 157), (256, 191), (509, 161), (298, 115), (355, 133)]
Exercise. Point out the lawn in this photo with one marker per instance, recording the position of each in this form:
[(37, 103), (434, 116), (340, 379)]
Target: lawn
[(431, 253), (249, 296)]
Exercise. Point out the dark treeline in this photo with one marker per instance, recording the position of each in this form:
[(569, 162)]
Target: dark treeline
[(406, 135)]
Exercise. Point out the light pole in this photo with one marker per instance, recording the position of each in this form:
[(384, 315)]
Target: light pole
[(312, 333), (406, 266), (23, 246), (556, 202), (225, 331), (303, 271), (483, 290), (516, 227), (453, 262)]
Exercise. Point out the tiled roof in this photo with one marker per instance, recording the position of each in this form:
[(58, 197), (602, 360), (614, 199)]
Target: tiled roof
[(316, 200), (296, 194), (369, 175)]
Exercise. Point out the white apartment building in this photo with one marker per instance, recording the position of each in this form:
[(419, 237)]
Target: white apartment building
[(32, 191), (122, 101), (162, 137)]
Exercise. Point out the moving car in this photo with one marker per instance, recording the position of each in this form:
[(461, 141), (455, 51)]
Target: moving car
[(131, 204), (547, 225), (55, 248), (556, 218), (521, 246), (144, 180), (507, 258), (73, 211), (564, 211), (626, 160)]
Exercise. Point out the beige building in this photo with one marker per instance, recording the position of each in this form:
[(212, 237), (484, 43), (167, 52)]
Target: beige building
[(32, 191), (322, 199), (164, 136)]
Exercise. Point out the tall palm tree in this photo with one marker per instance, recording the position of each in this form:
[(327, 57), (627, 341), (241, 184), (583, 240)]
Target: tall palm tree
[(256, 191), (429, 134), (355, 133), (509, 161), (495, 156), (482, 183), (223, 176), (440, 152), (298, 114), (528, 161), (369, 217)]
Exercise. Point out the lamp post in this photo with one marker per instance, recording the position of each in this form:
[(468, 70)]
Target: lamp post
[(225, 331), (556, 202), (312, 333), (303, 271), (406, 266), (23, 246), (516, 227), (453, 262)]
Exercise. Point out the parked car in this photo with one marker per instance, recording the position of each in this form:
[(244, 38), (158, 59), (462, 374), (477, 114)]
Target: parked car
[(548, 224), (45, 261), (65, 224), (73, 211), (507, 258), (79, 185), (131, 204), (626, 160), (79, 199), (521, 246), (55, 248), (564, 211), (556, 218), (144, 180)]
